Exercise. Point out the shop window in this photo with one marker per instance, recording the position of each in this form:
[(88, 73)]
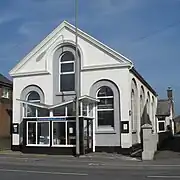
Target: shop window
[(105, 108), (67, 71), (43, 112), (59, 137), (31, 111), (31, 133), (71, 133), (38, 133), (71, 109), (64, 133), (43, 133), (84, 110), (59, 111)]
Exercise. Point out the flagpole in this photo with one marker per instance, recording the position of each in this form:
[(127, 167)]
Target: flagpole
[(77, 82)]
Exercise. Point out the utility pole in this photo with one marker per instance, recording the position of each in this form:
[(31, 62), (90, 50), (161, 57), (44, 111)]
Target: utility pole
[(77, 81)]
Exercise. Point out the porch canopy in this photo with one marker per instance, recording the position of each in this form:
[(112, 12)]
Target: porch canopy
[(67, 108)]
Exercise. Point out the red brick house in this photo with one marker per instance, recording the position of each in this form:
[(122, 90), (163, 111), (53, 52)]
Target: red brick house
[(5, 106)]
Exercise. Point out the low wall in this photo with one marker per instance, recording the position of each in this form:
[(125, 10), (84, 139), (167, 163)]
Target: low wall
[(163, 138), (5, 143)]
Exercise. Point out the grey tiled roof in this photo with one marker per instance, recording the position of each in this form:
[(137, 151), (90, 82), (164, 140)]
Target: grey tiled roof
[(177, 118), (163, 107), (4, 80)]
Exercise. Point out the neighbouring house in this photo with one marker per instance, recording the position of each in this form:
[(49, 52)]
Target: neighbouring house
[(114, 98), (165, 117), (165, 113), (5, 106), (177, 124)]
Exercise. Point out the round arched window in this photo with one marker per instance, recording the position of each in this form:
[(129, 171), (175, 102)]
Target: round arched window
[(67, 71), (105, 108), (33, 96)]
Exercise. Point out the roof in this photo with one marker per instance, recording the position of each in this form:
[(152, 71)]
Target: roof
[(46, 106), (4, 80), (177, 118), (143, 81), (82, 34), (163, 107)]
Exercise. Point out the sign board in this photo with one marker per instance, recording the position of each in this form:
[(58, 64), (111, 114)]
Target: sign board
[(52, 119), (15, 128)]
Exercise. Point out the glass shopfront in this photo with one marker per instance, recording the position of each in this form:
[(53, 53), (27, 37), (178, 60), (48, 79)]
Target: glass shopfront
[(56, 126), (58, 132), (38, 133), (49, 132)]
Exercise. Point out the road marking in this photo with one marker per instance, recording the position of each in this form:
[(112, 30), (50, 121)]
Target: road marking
[(43, 172), (169, 177)]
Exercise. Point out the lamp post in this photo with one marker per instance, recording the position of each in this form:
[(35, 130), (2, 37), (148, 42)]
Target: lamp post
[(77, 81)]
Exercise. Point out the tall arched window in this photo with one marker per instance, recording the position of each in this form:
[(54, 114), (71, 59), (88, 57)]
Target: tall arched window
[(134, 106), (142, 102), (132, 110), (152, 113), (34, 97), (148, 105), (67, 71), (105, 108)]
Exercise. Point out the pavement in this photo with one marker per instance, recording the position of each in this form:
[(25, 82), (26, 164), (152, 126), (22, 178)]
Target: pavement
[(170, 149)]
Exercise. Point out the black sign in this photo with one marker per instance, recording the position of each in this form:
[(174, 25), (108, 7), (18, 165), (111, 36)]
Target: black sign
[(15, 128)]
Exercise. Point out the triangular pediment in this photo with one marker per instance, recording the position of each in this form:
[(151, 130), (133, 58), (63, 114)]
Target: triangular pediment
[(36, 60)]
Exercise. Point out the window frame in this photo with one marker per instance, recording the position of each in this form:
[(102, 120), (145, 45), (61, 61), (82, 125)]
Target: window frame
[(105, 127), (32, 101), (5, 93), (133, 104), (66, 134), (36, 122), (162, 120), (66, 73)]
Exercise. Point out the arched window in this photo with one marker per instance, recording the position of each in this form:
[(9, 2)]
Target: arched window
[(133, 110), (105, 108), (142, 100), (32, 111), (152, 113), (33, 96), (148, 105), (67, 71)]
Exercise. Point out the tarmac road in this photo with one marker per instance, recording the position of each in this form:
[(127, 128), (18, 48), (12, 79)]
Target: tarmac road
[(17, 168)]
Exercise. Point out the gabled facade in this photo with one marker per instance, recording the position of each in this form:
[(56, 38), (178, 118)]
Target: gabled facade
[(114, 98), (5, 106), (165, 113)]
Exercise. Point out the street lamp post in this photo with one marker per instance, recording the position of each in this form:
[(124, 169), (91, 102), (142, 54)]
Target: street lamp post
[(77, 81)]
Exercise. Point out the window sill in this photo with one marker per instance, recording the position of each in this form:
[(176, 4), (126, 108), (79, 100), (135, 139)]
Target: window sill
[(65, 93), (63, 146), (134, 131), (162, 131), (38, 145), (105, 131), (4, 97)]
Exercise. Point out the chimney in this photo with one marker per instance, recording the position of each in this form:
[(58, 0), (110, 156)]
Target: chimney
[(170, 93)]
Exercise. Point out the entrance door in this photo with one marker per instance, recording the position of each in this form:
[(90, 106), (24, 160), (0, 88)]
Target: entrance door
[(86, 135)]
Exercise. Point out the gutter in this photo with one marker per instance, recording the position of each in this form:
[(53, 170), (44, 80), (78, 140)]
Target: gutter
[(142, 80)]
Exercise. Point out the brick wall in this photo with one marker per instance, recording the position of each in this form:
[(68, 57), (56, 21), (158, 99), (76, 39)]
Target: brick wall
[(5, 118)]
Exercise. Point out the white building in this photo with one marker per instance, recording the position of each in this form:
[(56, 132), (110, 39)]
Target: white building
[(115, 99)]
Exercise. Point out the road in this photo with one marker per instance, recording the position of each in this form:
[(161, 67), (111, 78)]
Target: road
[(35, 169)]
